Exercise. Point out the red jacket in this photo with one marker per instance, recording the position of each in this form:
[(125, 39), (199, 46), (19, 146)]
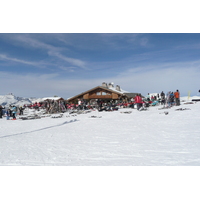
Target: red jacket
[(138, 99), (176, 94)]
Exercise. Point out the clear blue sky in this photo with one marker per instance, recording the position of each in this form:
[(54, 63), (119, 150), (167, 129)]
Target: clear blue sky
[(40, 65)]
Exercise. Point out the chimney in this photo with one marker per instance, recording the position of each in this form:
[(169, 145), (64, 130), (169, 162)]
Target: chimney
[(118, 88), (104, 84), (111, 85)]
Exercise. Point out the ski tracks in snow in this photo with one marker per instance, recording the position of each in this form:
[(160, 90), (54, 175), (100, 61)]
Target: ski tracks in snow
[(49, 127)]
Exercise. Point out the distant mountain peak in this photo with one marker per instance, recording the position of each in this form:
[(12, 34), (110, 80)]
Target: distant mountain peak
[(11, 99)]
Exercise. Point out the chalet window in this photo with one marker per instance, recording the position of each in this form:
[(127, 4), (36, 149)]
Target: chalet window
[(104, 93)]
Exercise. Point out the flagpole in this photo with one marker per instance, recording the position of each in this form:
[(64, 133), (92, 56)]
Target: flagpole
[(188, 95)]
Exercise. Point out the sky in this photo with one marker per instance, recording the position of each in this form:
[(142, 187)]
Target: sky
[(67, 64), (74, 46)]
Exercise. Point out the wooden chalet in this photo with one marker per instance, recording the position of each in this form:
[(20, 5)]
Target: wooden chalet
[(105, 93)]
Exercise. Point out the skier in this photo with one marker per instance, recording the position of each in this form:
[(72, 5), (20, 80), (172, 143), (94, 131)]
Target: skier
[(79, 104), (8, 114), (14, 111), (21, 111), (1, 111), (177, 97), (148, 97), (171, 99), (152, 98), (138, 101), (162, 98)]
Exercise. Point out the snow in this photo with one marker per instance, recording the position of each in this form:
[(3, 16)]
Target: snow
[(51, 98), (45, 98), (146, 138), (10, 99), (119, 91), (189, 98)]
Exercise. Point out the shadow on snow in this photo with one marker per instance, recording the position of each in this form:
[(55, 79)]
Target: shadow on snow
[(40, 129)]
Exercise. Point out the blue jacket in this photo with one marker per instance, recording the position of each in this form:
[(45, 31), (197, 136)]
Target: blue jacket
[(14, 109)]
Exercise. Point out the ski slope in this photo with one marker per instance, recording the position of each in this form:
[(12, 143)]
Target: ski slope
[(146, 138), (139, 150)]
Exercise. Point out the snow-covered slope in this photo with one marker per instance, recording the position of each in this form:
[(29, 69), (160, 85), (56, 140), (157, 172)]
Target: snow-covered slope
[(186, 98), (110, 138), (10, 99)]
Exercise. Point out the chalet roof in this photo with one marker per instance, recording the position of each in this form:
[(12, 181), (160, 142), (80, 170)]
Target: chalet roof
[(45, 98), (52, 98), (98, 87), (131, 95)]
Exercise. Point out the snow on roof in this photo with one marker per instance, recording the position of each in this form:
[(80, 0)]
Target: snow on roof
[(116, 88), (45, 98), (119, 91), (51, 98)]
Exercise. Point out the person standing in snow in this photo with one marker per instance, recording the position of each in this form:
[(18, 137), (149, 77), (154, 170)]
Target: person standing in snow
[(162, 98), (8, 114), (14, 111), (177, 97), (148, 97), (21, 110), (79, 104), (1, 111), (171, 99), (138, 101)]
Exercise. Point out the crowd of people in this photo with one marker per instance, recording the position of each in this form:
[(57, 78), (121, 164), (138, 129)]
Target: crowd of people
[(61, 106), (10, 112), (170, 99)]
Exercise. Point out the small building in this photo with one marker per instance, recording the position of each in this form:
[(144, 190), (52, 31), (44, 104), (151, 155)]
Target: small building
[(105, 92), (53, 98), (47, 98)]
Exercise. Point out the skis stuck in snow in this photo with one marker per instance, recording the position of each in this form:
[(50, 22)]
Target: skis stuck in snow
[(181, 109), (57, 116), (95, 116), (126, 112), (165, 107), (166, 113), (30, 117)]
